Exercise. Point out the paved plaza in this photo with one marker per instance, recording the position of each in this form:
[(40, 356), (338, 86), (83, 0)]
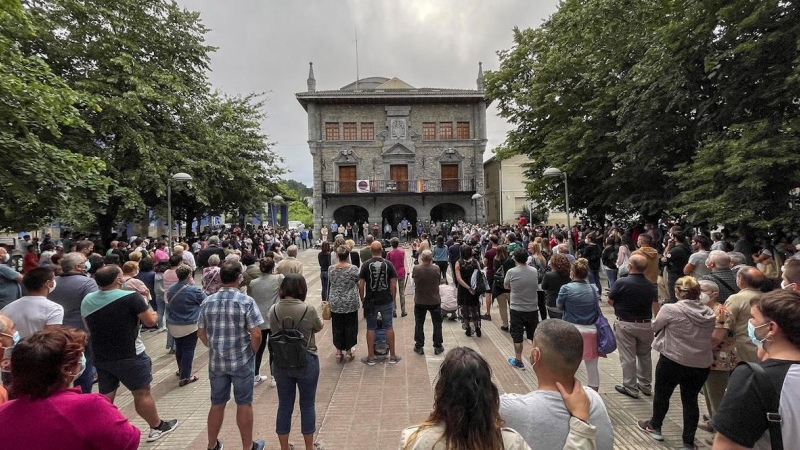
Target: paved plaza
[(362, 407)]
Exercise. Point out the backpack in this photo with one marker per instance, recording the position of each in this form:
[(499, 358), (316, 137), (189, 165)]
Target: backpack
[(478, 280), (289, 345), (594, 257), (541, 270), (499, 275), (610, 258)]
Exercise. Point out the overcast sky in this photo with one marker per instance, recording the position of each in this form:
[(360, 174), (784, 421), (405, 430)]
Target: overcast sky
[(266, 45)]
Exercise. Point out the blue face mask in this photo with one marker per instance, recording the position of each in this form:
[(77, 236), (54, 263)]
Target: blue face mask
[(7, 351), (88, 265), (83, 365), (751, 332)]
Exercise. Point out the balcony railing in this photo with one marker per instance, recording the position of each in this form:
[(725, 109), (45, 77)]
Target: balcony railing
[(454, 185)]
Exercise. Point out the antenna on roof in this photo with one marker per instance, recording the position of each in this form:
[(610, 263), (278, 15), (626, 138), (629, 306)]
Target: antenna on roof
[(356, 59)]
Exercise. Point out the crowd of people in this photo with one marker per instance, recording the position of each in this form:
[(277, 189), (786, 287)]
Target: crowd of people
[(705, 301)]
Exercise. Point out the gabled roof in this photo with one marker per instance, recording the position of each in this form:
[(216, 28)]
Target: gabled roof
[(395, 83)]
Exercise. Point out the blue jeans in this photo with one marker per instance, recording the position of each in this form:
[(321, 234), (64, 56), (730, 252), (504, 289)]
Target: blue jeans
[(594, 278), (323, 279), (184, 354), (611, 274), (289, 382), (161, 311)]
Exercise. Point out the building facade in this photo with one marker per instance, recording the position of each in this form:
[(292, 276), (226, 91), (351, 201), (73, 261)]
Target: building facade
[(384, 151), (506, 195)]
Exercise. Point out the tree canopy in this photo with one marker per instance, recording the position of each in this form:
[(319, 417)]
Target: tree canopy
[(680, 107), (126, 101)]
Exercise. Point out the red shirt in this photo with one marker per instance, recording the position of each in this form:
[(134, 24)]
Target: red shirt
[(30, 262)]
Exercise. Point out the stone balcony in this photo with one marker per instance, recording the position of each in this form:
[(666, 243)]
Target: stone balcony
[(398, 187)]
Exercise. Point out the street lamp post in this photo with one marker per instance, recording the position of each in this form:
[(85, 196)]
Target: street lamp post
[(475, 198), (553, 172), (182, 178), (278, 199)]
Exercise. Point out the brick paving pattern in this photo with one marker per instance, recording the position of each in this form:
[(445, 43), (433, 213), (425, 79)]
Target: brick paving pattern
[(361, 407)]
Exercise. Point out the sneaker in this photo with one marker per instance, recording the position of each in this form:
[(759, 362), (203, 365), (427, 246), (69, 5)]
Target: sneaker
[(644, 425), (394, 360), (486, 317), (403, 314), (166, 427), (272, 382), (516, 363), (394, 315), (622, 390), (646, 391), (258, 444), (689, 447), (367, 361), (478, 331), (438, 350), (504, 328), (419, 350), (219, 446), (258, 379)]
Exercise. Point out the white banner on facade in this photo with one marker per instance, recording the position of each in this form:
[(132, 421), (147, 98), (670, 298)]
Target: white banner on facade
[(362, 186)]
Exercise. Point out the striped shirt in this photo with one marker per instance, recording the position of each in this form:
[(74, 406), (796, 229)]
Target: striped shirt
[(228, 316)]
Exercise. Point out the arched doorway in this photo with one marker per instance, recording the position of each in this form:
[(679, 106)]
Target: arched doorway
[(395, 214), (351, 214), (447, 211)]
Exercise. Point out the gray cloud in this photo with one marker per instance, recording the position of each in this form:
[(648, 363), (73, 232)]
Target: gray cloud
[(265, 46)]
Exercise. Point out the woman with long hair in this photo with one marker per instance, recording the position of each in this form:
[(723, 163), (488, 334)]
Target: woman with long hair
[(344, 303), (538, 260), (466, 411), (264, 291), (324, 260), (623, 255), (579, 302), (468, 298), (502, 263), (552, 282)]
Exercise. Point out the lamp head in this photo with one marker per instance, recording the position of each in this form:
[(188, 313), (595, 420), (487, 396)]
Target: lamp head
[(552, 172), (182, 176)]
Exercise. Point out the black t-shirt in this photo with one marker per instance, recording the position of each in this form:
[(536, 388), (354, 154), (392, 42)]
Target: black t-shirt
[(677, 259), (551, 285), (377, 274), (115, 327), (454, 252), (742, 417), (633, 297)]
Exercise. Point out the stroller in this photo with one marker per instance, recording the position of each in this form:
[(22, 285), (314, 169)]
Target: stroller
[(449, 305)]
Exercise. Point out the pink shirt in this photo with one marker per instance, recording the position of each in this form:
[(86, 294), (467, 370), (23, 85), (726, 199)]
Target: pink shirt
[(398, 259), (74, 421)]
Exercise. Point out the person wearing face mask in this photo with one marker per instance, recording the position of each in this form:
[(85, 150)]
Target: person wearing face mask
[(9, 337), (790, 278), (34, 312), (10, 280), (741, 421), (44, 366), (541, 416), (723, 346), (683, 337), (71, 288), (749, 281)]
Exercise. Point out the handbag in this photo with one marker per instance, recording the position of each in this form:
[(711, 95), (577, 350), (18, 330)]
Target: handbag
[(606, 342), (326, 311)]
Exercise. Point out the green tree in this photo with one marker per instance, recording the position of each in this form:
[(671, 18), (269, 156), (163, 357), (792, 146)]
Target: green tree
[(38, 176), (141, 62)]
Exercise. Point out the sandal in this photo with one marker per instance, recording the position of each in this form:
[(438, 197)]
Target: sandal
[(339, 357), (349, 357), (177, 373), (183, 383), (394, 359)]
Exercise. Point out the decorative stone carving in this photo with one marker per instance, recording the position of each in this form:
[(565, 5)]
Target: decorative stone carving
[(399, 129)]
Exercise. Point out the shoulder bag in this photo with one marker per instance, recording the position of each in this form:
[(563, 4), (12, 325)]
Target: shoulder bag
[(606, 342), (765, 391)]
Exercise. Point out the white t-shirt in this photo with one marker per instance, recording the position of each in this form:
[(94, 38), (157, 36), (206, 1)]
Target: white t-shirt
[(32, 313), (543, 420)]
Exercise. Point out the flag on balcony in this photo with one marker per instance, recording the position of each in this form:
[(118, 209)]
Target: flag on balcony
[(420, 186)]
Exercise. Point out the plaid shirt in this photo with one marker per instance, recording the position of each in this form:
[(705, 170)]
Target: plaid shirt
[(228, 316)]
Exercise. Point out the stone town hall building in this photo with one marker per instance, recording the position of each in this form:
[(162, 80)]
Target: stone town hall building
[(384, 150)]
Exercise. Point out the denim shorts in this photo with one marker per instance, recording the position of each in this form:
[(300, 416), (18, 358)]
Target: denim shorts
[(134, 373), (242, 381), (386, 312)]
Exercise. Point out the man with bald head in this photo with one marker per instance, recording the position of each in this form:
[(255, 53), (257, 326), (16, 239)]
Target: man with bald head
[(721, 274), (749, 281), (377, 287), (635, 302), (541, 416)]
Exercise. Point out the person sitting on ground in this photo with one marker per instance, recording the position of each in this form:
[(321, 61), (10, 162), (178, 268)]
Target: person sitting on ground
[(541, 416), (43, 367), (466, 411)]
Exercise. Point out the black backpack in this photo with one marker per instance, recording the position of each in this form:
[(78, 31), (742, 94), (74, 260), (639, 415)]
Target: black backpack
[(500, 275), (288, 346)]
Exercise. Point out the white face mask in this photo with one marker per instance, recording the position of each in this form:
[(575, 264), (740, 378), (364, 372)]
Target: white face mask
[(704, 298), (55, 283), (6, 257)]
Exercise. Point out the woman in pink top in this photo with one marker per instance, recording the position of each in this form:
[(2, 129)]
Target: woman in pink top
[(43, 368), (160, 254), (397, 256)]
